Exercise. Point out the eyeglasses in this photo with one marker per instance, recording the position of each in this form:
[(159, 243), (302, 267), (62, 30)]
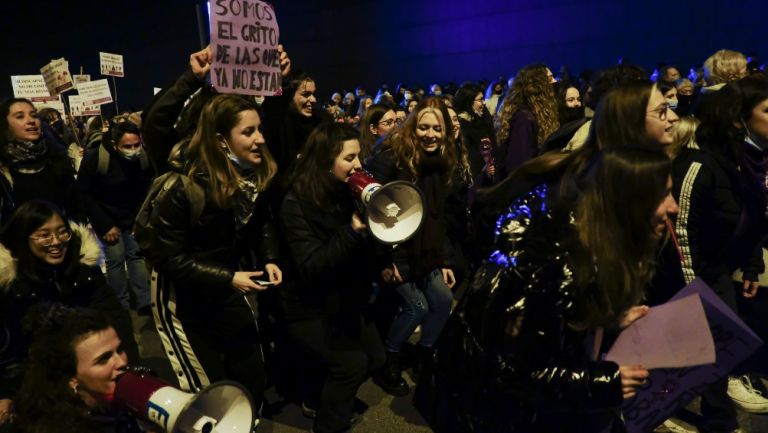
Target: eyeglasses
[(46, 241), (388, 122), (662, 110)]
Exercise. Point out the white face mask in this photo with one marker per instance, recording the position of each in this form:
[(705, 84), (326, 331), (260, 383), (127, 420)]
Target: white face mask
[(672, 103), (131, 155)]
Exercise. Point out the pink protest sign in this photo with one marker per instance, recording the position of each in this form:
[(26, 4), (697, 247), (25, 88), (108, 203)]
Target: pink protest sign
[(244, 38)]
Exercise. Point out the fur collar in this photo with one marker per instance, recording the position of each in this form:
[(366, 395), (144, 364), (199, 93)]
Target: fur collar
[(91, 254)]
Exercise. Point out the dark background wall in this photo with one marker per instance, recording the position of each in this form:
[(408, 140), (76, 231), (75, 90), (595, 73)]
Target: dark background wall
[(345, 43)]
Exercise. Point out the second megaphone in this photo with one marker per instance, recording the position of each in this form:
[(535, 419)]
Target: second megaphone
[(220, 407), (393, 212)]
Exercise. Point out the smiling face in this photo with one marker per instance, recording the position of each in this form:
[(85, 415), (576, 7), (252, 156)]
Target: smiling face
[(659, 119), (455, 122), (100, 360), (304, 98), (347, 161), (245, 139), (668, 206), (429, 130), (50, 241), (23, 123)]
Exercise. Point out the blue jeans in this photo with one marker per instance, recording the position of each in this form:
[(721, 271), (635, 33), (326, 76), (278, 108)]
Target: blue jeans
[(426, 301), (125, 266)]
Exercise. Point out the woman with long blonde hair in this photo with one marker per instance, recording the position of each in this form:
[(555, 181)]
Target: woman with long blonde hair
[(527, 116), (206, 268)]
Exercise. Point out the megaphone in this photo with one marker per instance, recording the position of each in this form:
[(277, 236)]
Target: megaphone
[(394, 212), (220, 407)]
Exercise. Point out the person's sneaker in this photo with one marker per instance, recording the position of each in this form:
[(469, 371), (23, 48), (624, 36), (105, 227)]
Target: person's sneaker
[(674, 425), (745, 396), (309, 408)]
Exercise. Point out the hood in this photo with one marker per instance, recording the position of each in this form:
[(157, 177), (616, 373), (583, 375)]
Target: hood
[(91, 254)]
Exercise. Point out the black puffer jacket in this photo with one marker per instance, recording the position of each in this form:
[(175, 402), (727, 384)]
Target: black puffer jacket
[(509, 359), (80, 285), (202, 259), (330, 273), (721, 223)]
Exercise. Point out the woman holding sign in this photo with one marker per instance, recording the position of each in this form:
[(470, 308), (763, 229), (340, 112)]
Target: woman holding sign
[(32, 167), (209, 265)]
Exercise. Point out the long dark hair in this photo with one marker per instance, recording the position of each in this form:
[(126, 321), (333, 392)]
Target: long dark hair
[(27, 218), (465, 97), (45, 402), (311, 179), (617, 234), (373, 116)]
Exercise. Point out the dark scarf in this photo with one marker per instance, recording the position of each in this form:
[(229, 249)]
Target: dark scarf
[(22, 155), (245, 198), (428, 242)]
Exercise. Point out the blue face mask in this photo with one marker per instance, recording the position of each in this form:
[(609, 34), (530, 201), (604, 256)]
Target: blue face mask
[(672, 103), (239, 163)]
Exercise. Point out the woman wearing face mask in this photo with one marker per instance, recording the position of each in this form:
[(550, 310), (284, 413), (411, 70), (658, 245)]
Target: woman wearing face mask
[(378, 122), (670, 93), (521, 352), (477, 132), (326, 303), (76, 357), (420, 269), (207, 269), (720, 185), (493, 95), (31, 167), (114, 179), (46, 259)]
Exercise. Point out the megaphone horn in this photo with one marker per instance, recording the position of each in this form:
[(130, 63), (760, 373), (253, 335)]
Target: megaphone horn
[(394, 212), (225, 406)]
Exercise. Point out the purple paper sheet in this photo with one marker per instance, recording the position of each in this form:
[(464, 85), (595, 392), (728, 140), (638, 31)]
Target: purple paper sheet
[(671, 389)]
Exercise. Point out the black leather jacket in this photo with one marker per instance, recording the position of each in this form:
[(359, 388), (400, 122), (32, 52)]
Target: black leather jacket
[(510, 353), (201, 260)]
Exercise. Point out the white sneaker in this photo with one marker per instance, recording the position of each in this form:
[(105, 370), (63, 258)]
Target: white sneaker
[(674, 425), (746, 397)]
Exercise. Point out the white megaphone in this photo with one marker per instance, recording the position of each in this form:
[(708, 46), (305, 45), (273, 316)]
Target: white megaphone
[(220, 407), (394, 212)]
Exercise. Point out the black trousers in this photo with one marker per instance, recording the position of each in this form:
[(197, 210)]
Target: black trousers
[(347, 360)]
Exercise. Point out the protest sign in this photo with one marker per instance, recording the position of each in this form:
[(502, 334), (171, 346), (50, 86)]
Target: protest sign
[(77, 107), (95, 92), (671, 389), (244, 38), (54, 102), (111, 64), (82, 78), (31, 87), (57, 77)]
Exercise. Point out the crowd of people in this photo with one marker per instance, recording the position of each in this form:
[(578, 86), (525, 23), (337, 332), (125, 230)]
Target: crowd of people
[(556, 212)]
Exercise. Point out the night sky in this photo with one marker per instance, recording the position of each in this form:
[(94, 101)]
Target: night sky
[(343, 43)]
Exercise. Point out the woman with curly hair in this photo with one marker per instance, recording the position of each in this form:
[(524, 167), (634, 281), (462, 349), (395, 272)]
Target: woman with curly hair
[(528, 115), (420, 270)]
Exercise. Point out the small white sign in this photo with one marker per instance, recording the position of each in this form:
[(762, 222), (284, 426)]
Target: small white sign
[(111, 64), (31, 87), (83, 78), (78, 108), (95, 92), (51, 102), (57, 77)]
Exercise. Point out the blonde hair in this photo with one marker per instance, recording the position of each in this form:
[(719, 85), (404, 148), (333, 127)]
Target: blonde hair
[(684, 135), (724, 66), (205, 156)]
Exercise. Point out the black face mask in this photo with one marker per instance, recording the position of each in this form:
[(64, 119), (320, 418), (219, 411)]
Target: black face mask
[(684, 102), (569, 114)]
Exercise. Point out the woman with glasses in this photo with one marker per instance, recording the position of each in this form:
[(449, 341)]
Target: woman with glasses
[(477, 132), (32, 166), (44, 258), (379, 121)]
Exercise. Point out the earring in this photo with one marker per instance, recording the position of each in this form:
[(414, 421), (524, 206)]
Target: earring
[(76, 390)]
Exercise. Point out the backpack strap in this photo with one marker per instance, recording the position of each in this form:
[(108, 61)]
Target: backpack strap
[(103, 166)]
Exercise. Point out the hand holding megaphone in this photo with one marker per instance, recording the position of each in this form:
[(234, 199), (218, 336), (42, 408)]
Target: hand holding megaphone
[(357, 223), (393, 212)]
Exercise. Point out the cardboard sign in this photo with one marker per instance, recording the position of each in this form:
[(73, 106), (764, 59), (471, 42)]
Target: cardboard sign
[(244, 37), (77, 107), (95, 92), (54, 102), (84, 78), (671, 389), (31, 87), (111, 64), (57, 77)]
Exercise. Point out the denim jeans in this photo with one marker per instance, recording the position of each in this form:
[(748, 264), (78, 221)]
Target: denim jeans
[(426, 301), (126, 267)]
